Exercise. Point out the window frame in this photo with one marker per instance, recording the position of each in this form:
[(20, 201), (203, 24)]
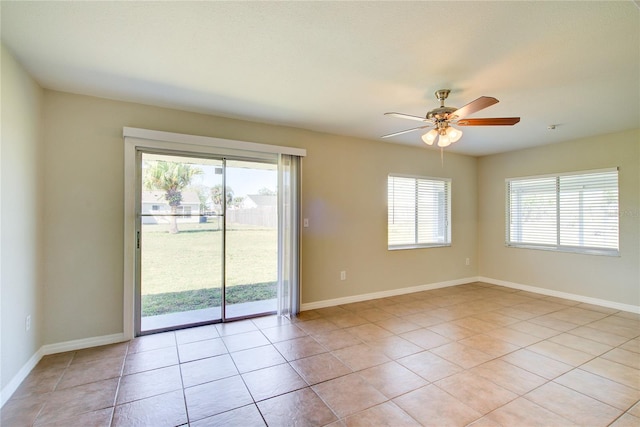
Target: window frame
[(559, 246), (447, 214)]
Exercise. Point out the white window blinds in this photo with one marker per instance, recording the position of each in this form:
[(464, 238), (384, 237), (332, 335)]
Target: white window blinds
[(568, 212), (418, 212)]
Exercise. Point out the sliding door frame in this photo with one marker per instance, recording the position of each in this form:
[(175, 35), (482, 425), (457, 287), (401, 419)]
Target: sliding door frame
[(136, 140), (140, 152)]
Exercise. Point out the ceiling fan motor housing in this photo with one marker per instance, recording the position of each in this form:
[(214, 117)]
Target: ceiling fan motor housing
[(442, 112)]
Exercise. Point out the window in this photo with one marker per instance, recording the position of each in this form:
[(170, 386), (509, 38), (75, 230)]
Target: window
[(183, 211), (565, 212), (419, 212)]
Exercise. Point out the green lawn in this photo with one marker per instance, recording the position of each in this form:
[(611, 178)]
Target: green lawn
[(184, 271), (172, 302)]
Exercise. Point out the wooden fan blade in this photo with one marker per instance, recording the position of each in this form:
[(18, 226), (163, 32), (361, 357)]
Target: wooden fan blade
[(403, 131), (408, 116), (474, 106), (497, 121)]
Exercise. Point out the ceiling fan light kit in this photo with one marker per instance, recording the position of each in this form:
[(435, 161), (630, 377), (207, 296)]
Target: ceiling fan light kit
[(453, 134), (440, 120), (445, 136), (430, 137)]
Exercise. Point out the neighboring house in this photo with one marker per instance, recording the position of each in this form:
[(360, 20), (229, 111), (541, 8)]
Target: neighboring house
[(155, 207), (257, 210), (260, 201)]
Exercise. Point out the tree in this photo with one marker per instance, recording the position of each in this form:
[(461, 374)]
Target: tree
[(216, 197), (203, 196), (236, 202), (264, 191), (172, 178)]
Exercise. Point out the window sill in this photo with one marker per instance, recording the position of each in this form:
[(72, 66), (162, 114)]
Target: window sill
[(568, 249), (404, 247)]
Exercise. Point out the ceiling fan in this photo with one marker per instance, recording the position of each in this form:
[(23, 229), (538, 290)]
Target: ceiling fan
[(440, 120)]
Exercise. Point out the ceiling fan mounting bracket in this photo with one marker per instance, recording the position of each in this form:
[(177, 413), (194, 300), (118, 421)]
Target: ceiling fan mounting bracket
[(442, 94)]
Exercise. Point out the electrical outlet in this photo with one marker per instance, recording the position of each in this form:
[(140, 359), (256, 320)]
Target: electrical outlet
[(27, 323), (343, 275), (468, 262)]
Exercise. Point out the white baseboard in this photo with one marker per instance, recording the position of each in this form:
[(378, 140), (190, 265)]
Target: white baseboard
[(394, 292), (15, 382), (17, 379), (384, 294), (574, 297), (82, 343)]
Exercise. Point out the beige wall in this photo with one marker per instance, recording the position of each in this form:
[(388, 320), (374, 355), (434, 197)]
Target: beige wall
[(21, 225), (62, 242), (614, 279), (343, 195)]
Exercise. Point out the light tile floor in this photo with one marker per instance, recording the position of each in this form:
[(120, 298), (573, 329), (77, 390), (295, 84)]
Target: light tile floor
[(473, 354)]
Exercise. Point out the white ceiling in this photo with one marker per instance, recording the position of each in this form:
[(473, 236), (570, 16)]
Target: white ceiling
[(338, 66)]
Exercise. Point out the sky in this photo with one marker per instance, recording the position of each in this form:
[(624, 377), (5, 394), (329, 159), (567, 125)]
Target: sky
[(243, 177)]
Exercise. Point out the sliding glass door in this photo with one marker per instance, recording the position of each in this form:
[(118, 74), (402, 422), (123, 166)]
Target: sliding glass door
[(207, 239), (251, 244)]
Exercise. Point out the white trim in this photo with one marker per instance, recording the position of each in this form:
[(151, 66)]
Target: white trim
[(12, 386), (559, 294), (579, 250), (145, 139), (532, 187), (418, 246), (432, 178), (26, 369), (129, 277), (79, 344), (180, 138), (401, 291), (571, 173), (385, 294), (83, 343), (392, 202)]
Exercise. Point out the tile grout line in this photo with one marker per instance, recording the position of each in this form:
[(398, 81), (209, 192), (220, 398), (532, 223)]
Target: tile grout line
[(446, 302)]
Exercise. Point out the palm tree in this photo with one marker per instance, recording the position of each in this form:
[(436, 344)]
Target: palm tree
[(172, 178), (216, 196)]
